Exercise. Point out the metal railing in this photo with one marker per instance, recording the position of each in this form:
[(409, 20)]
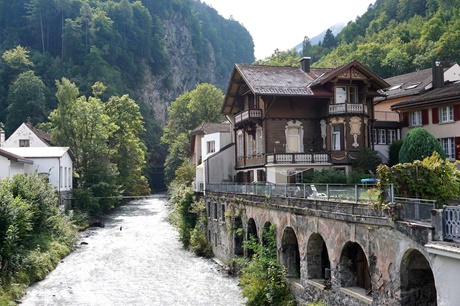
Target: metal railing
[(415, 209), (451, 222), (363, 193)]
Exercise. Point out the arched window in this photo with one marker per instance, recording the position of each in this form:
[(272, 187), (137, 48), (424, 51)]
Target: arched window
[(294, 136)]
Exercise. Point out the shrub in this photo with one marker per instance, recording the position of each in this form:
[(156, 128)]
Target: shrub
[(366, 160), (263, 278), (418, 145), (326, 176), (393, 152)]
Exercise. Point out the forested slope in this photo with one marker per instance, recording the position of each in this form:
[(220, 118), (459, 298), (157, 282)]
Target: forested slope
[(398, 36)]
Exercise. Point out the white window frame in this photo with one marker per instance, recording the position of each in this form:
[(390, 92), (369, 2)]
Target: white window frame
[(250, 145), (336, 138), (446, 114), (415, 118), (448, 144), (382, 139), (347, 94), (392, 136), (23, 143), (240, 143), (211, 146), (259, 141), (294, 137)]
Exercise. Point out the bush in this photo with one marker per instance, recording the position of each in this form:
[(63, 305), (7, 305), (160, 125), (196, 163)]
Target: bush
[(325, 176), (263, 278), (433, 178), (393, 152), (418, 145), (367, 160)]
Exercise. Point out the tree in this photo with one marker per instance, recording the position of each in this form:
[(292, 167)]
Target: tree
[(329, 40), (393, 152), (418, 145), (306, 47), (281, 58), (187, 112), (17, 59), (366, 160), (26, 99), (127, 150)]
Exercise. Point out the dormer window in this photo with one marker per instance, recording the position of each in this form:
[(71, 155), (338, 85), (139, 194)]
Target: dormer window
[(413, 85), (346, 94), (24, 143), (394, 87)]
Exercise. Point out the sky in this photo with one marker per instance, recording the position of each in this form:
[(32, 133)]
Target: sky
[(283, 24)]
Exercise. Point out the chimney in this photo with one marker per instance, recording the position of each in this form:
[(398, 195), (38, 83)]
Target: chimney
[(305, 64), (438, 75)]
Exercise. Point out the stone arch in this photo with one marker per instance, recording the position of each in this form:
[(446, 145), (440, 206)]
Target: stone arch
[(417, 280), (251, 234), (265, 228), (317, 257), (238, 236), (353, 267), (290, 255)]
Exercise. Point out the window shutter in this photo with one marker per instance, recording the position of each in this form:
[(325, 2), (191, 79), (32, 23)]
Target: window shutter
[(457, 112), (457, 148), (342, 138), (424, 117), (405, 121), (435, 114)]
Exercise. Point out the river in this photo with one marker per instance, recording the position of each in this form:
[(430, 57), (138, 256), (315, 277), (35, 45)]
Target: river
[(136, 259)]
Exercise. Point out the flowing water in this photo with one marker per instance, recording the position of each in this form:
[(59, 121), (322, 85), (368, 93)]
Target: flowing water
[(135, 260)]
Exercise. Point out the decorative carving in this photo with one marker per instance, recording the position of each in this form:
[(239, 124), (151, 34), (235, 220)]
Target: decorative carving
[(355, 130), (323, 132), (352, 74)]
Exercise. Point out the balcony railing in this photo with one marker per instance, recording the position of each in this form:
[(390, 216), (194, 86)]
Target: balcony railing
[(247, 115), (298, 158), (415, 209), (386, 116), (347, 108), (451, 222)]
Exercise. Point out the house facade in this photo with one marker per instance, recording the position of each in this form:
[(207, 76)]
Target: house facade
[(290, 120), (56, 163), (388, 125), (211, 151), (26, 135)]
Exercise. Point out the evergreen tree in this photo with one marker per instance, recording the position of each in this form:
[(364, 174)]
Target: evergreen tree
[(419, 144)]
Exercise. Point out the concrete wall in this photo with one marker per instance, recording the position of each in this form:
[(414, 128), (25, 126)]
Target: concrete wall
[(220, 167)]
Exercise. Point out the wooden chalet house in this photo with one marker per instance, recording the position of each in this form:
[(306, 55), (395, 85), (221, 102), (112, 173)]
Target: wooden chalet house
[(289, 120)]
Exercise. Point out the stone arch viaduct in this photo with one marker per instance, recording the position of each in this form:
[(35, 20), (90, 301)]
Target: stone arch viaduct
[(336, 252)]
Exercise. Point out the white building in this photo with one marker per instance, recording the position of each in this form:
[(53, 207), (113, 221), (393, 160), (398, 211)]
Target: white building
[(56, 163), (26, 135)]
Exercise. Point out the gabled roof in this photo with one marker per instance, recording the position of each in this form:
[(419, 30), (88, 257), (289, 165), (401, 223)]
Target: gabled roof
[(291, 81), (44, 136), (357, 68), (210, 128), (446, 93), (14, 157), (40, 152)]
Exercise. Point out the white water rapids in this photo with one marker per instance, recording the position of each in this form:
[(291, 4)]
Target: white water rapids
[(142, 264)]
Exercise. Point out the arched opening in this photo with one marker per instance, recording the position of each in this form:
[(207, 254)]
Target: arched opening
[(317, 258), (265, 230), (290, 256), (251, 235), (238, 236), (354, 268), (417, 280)]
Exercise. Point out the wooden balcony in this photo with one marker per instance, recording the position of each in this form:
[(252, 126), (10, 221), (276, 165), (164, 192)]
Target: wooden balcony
[(386, 116), (298, 158), (248, 115), (347, 108)]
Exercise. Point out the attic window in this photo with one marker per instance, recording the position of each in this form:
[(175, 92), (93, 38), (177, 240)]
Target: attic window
[(394, 87), (413, 85)]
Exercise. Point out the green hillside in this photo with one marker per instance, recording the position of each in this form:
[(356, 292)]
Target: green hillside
[(399, 36)]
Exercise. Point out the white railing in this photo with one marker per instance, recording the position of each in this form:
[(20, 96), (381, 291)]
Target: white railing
[(297, 158), (386, 116), (347, 108)]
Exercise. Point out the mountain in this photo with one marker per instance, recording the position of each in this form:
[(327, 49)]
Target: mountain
[(395, 37), (319, 38), (152, 50)]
